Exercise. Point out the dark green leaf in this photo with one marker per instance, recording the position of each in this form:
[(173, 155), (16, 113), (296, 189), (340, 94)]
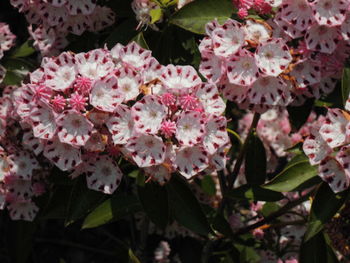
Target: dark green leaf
[(345, 84), (112, 209), (185, 207), (317, 250), (57, 203), (292, 177), (140, 179), (208, 185), (122, 34), (23, 51), (154, 200), (298, 115), (82, 201), (324, 206), (255, 161), (195, 15), (269, 208), (254, 193), (221, 225), (139, 39), (20, 240)]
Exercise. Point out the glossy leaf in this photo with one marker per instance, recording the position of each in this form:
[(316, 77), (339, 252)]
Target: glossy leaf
[(20, 240), (82, 201), (184, 206), (269, 208), (317, 250), (112, 209), (298, 115), (324, 206), (208, 185), (292, 177), (345, 84), (255, 193), (255, 161), (23, 51), (140, 39), (154, 200), (122, 34), (195, 15)]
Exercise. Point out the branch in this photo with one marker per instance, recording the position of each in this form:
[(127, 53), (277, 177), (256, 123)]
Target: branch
[(274, 215), (242, 153)]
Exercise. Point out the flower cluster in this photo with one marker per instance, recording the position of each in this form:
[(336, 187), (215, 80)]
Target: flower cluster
[(7, 40), (51, 21), (300, 53), (260, 6), (87, 109), (22, 177), (328, 146)]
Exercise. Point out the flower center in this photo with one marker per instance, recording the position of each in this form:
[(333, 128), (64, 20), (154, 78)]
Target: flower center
[(106, 171), (76, 123), (327, 5)]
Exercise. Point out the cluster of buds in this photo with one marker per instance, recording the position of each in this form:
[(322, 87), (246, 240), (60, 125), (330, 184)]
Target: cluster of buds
[(51, 21), (86, 110)]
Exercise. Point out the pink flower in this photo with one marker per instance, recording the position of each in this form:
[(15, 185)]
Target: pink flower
[(188, 102), (168, 99), (78, 102), (82, 85), (168, 128), (58, 103)]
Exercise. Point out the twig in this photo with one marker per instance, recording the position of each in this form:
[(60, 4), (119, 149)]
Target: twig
[(240, 158), (274, 215)]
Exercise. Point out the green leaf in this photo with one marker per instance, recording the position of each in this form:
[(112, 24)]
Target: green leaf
[(165, 3), (324, 206), (298, 115), (16, 70), (20, 240), (292, 177), (140, 179), (139, 39), (133, 258), (254, 193), (194, 16), (220, 224), (82, 201), (317, 250), (208, 185), (156, 14), (23, 51), (185, 207), (269, 208), (154, 200), (255, 161), (112, 209), (235, 135), (122, 34), (345, 84)]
